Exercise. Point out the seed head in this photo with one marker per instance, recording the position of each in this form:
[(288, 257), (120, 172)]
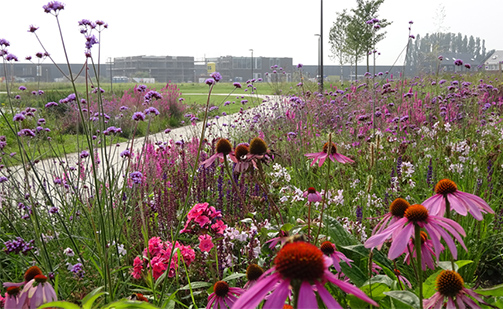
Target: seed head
[(449, 283)]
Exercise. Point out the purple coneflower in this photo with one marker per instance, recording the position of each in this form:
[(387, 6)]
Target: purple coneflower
[(253, 273), (304, 265), (28, 276), (461, 202), (437, 227), (402, 279), (322, 156), (450, 284), (427, 253), (396, 212), (222, 149), (38, 292), (239, 157), (222, 296), (329, 250), (312, 195)]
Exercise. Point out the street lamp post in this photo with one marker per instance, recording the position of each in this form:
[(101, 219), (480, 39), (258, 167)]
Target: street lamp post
[(320, 70), (321, 48), (251, 63), (111, 75)]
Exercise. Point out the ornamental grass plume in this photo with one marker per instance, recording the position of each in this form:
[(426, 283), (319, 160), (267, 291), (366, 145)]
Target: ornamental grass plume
[(436, 227), (222, 296), (322, 156), (301, 267), (450, 285), (448, 197)]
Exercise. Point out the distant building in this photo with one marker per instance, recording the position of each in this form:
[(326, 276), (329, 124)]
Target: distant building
[(240, 69), (48, 72), (495, 62), (447, 64), (162, 68)]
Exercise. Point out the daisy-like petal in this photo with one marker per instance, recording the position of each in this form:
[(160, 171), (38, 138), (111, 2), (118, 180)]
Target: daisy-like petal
[(435, 205), (253, 297), (380, 238), (448, 240), (327, 298), (476, 199), (211, 300), (278, 297), (342, 159), (400, 242), (459, 206), (450, 303), (459, 302), (307, 298), (467, 300)]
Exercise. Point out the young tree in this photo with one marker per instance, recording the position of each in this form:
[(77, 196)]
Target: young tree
[(338, 39)]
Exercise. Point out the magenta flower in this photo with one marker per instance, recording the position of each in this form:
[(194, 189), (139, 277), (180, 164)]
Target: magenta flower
[(205, 243), (459, 201), (437, 227), (38, 292), (222, 148), (458, 62), (222, 296), (312, 195), (253, 273), (450, 285), (216, 76), (396, 211), (329, 250), (302, 264), (13, 299), (427, 253), (239, 157), (237, 85), (322, 156), (402, 279)]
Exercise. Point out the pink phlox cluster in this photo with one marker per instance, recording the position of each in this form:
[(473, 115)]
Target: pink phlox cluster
[(203, 217), (205, 243), (159, 252)]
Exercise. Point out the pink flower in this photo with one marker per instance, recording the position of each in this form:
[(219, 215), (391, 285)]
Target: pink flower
[(297, 263), (38, 292), (402, 279), (222, 296), (253, 273), (159, 266), (239, 157), (223, 148), (322, 156), (205, 243), (427, 253), (312, 195), (154, 246), (218, 227), (202, 221), (396, 211), (459, 201), (137, 268), (13, 299), (436, 227), (450, 285), (328, 249)]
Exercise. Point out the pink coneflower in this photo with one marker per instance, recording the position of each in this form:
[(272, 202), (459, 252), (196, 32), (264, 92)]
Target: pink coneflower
[(401, 278), (258, 151), (451, 285), (396, 211), (239, 157), (459, 201), (312, 195), (253, 273), (222, 148), (437, 227), (28, 276), (304, 265), (38, 292), (13, 299), (427, 253), (322, 156), (329, 250), (222, 296)]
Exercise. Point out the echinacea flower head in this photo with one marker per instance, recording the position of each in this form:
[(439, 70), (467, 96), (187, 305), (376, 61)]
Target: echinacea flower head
[(322, 156), (13, 299), (436, 227), (396, 211), (301, 264), (222, 296), (312, 195), (223, 148), (461, 202), (257, 146), (329, 250), (38, 292), (450, 285), (28, 276), (427, 253), (401, 278), (253, 273)]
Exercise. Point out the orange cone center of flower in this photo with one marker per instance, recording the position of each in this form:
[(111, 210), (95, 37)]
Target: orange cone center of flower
[(287, 306), (221, 288), (140, 297), (332, 151), (416, 213), (397, 272), (223, 146), (424, 237), (258, 146), (327, 248), (445, 186), (31, 273), (449, 283), (253, 272), (241, 150), (311, 190), (40, 278), (13, 290), (300, 260), (398, 207)]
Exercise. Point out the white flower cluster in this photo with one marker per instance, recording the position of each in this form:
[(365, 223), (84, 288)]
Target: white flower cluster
[(241, 241), (354, 227), (457, 168), (407, 169), (462, 148), (279, 174)]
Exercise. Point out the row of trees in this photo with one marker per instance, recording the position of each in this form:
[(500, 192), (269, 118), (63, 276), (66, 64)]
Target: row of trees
[(355, 33)]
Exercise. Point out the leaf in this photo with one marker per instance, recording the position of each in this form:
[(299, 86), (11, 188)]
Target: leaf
[(233, 276), (447, 265), (130, 304), (378, 256), (429, 285), (408, 298), (355, 274), (375, 291), (496, 290), (287, 227), (87, 302), (196, 285), (60, 304), (338, 234), (380, 279)]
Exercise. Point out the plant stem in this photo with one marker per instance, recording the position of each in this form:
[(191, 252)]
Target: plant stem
[(417, 240), (323, 202), (309, 222), (448, 216)]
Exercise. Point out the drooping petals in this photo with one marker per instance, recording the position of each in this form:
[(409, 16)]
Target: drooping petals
[(307, 298)]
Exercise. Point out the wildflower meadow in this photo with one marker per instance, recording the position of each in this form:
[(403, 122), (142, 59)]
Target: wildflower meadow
[(384, 192)]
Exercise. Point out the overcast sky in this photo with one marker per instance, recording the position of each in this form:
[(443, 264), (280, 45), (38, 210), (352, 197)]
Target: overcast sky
[(272, 28)]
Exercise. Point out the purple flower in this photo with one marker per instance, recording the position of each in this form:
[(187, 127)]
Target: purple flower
[(53, 6), (440, 57), (84, 154), (11, 57), (458, 62), (237, 85), (18, 245), (18, 117), (3, 179), (210, 81), (22, 88), (138, 116), (216, 76), (136, 177), (51, 104), (53, 210), (77, 270), (123, 108), (4, 42), (167, 131), (468, 66), (26, 132), (152, 95), (125, 154), (300, 65), (152, 110), (32, 29)]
